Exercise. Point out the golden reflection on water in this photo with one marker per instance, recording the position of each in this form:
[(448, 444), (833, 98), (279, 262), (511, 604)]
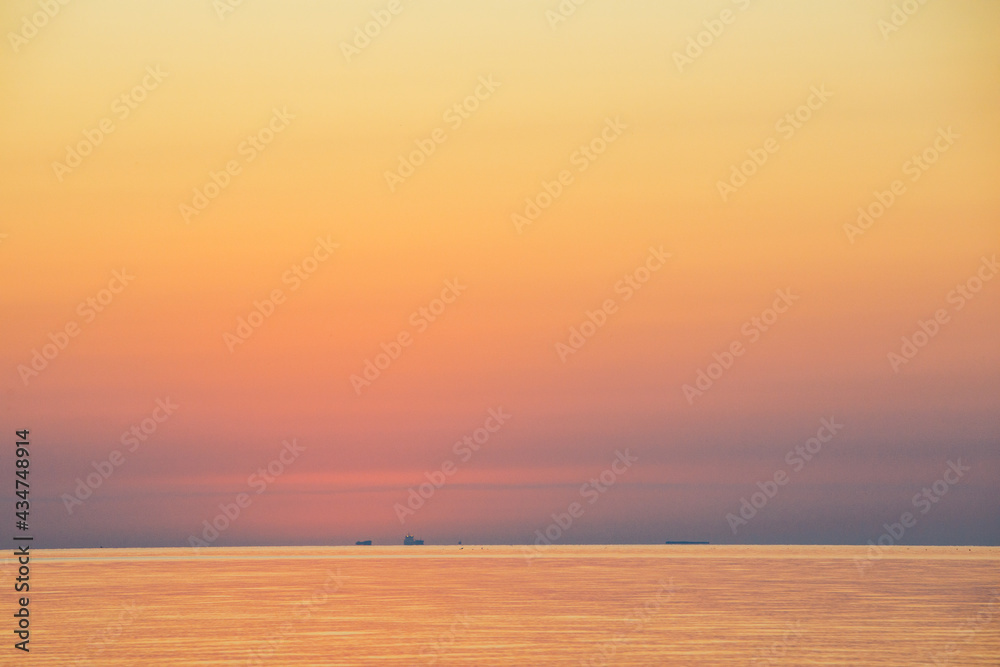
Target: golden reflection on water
[(470, 605)]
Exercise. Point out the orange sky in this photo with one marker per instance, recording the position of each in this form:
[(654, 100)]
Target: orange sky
[(225, 160)]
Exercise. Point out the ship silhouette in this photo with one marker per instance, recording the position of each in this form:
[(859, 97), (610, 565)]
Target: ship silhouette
[(410, 540)]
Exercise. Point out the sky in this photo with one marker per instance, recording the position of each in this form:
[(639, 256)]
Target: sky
[(502, 272)]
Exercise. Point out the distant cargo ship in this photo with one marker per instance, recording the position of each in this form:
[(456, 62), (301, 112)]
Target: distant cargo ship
[(363, 543), (410, 540)]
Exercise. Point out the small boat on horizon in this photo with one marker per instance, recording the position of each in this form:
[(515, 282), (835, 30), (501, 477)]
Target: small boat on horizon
[(363, 543), (410, 540)]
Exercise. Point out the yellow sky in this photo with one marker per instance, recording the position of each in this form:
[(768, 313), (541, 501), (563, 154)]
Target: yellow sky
[(533, 94)]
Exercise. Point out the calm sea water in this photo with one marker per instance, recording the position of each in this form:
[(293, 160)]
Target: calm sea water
[(571, 605)]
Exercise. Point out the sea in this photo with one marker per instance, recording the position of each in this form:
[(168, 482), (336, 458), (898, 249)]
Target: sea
[(511, 605)]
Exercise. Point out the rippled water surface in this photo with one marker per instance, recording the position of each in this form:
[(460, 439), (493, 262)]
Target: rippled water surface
[(570, 605)]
